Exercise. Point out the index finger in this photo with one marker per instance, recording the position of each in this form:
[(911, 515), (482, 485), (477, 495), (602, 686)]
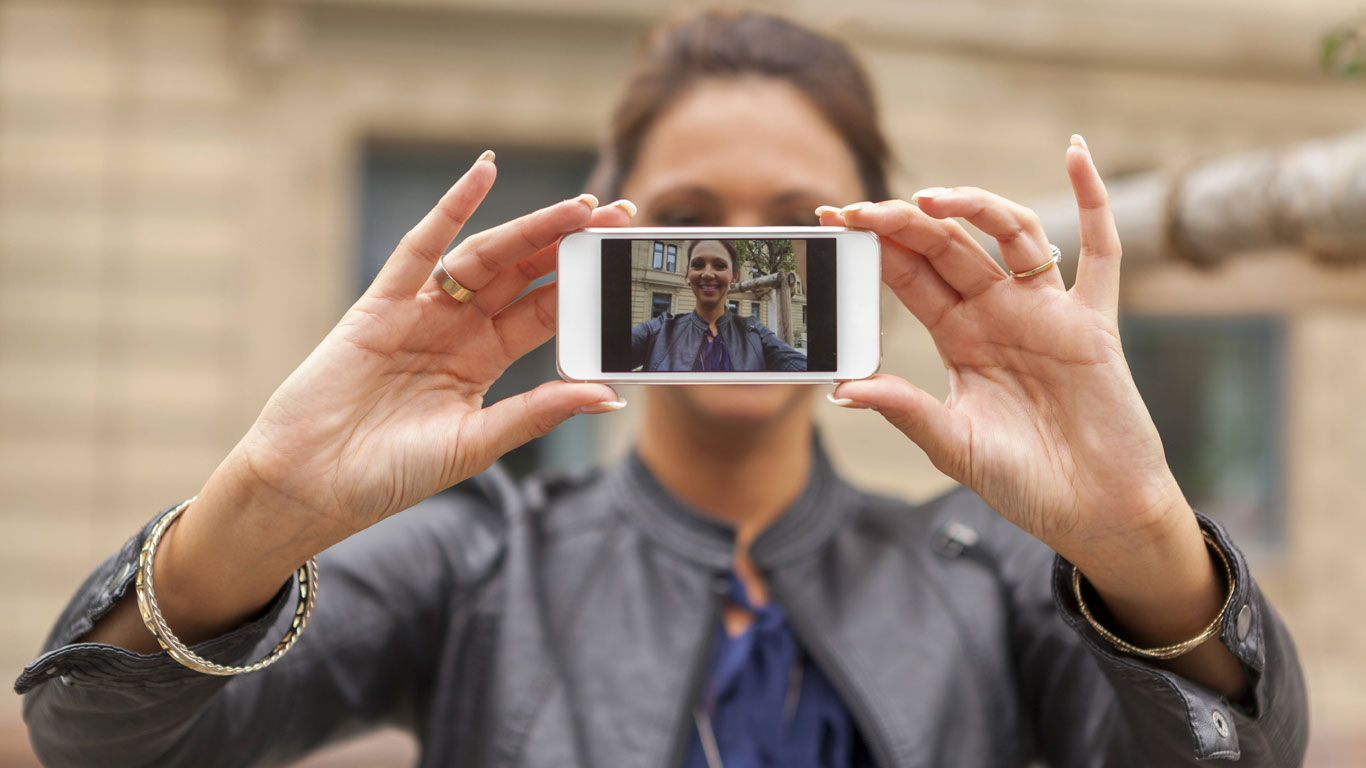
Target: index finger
[(477, 261), (512, 282), (909, 274), (946, 246), (1015, 228)]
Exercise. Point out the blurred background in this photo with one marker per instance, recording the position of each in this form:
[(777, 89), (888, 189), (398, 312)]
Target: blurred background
[(192, 193)]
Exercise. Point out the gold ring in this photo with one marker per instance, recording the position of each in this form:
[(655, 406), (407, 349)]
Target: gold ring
[(448, 284), (1044, 267)]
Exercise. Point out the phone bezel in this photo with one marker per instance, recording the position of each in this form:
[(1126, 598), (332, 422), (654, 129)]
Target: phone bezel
[(578, 353)]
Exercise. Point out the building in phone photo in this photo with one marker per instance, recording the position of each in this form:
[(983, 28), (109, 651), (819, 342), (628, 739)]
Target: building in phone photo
[(659, 286)]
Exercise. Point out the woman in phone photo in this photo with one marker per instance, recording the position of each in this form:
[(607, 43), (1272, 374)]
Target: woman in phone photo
[(721, 597), (710, 338)]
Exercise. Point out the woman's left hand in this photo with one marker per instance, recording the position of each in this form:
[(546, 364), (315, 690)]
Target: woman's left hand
[(1043, 419)]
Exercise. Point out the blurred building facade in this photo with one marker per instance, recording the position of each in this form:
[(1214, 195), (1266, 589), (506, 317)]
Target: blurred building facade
[(181, 208)]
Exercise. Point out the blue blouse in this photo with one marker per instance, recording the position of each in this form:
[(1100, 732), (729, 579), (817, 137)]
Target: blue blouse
[(768, 704), (713, 356)]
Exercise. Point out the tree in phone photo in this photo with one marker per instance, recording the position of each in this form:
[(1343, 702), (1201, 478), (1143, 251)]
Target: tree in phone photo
[(774, 267)]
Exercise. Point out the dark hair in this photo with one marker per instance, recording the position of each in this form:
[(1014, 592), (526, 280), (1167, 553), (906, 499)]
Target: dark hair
[(730, 251), (718, 44)]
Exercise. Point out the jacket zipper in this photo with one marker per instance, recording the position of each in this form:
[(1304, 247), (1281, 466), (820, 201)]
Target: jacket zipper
[(853, 695), (698, 676)]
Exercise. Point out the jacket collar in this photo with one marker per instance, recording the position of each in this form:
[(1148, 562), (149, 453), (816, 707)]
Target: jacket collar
[(800, 530), (721, 322)]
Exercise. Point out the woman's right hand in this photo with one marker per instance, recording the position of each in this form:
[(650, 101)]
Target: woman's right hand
[(385, 412), (388, 409)]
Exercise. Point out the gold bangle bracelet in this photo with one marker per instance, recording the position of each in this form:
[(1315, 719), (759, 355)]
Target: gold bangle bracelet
[(156, 623), (1166, 651)]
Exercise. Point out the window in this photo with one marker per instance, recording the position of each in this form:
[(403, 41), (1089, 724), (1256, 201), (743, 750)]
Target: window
[(399, 183), (661, 304), (803, 314), (734, 306), (1214, 388), (672, 263), (658, 261), (754, 311)]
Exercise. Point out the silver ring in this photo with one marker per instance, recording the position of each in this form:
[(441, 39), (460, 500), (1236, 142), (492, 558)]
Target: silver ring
[(1044, 267)]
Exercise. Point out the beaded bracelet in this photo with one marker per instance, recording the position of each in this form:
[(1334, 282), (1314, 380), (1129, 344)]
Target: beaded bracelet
[(156, 623), (1166, 651)]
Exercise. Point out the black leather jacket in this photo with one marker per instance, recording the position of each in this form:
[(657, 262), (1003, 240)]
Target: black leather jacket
[(567, 624), (672, 343)]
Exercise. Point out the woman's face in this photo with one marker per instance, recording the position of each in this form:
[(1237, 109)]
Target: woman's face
[(710, 273), (740, 152)]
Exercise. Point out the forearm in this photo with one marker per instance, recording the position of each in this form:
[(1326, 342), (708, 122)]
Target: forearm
[(88, 704), (219, 564), (375, 632), (98, 706)]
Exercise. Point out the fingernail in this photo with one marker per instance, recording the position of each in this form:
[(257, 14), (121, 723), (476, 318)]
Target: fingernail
[(588, 200), (625, 205), (488, 155), (845, 402), (929, 193), (854, 207), (1078, 141), (606, 406), (824, 209)]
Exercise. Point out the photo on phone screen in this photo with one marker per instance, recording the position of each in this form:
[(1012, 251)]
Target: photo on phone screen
[(672, 305)]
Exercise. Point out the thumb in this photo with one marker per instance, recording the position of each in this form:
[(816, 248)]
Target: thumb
[(917, 413), (511, 422)]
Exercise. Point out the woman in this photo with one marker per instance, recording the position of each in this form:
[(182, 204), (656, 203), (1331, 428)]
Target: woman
[(709, 338), (722, 597)]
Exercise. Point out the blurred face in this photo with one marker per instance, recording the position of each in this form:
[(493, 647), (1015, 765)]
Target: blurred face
[(709, 273), (739, 152)]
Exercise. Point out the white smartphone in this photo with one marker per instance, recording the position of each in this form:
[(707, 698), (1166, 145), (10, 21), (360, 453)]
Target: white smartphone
[(720, 305)]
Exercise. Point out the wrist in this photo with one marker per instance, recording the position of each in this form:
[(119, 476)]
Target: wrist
[(1161, 583), (230, 552), (1130, 543), (266, 501)]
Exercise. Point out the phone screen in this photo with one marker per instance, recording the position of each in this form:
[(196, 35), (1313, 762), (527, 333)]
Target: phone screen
[(673, 305)]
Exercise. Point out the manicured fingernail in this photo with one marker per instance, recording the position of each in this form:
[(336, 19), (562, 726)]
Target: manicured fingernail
[(607, 406), (1078, 141), (929, 193), (845, 402), (824, 209), (488, 155), (625, 205), (854, 207), (588, 200)]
